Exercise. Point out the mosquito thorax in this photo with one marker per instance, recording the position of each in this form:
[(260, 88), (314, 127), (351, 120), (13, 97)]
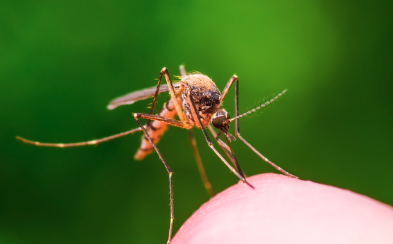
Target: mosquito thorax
[(220, 120), (206, 96)]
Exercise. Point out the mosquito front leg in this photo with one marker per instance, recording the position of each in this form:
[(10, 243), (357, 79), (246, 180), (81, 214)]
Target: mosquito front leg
[(170, 172), (209, 143), (225, 92)]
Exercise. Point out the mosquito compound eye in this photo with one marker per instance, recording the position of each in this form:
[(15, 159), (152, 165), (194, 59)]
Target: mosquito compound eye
[(220, 120)]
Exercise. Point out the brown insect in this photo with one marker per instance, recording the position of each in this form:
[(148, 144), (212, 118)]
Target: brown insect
[(197, 101)]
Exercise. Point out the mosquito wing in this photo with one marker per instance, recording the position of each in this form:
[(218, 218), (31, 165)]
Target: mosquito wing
[(135, 96)]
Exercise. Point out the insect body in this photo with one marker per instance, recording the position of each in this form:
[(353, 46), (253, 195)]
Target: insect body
[(207, 99), (197, 102)]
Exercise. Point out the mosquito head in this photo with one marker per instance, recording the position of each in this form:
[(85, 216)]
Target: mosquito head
[(221, 120)]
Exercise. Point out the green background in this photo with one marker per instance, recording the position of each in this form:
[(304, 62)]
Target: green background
[(61, 62)]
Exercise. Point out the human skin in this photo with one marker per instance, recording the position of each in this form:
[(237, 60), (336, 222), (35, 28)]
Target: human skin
[(286, 210)]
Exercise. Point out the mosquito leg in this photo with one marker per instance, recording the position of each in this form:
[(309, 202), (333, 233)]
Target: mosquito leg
[(155, 131), (155, 97), (170, 172), (192, 140), (209, 143), (267, 160), (145, 147), (163, 119), (223, 148), (202, 171), (229, 149), (78, 144), (172, 92), (228, 86), (225, 92)]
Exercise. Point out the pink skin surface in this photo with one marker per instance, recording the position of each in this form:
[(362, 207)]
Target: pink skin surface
[(286, 210)]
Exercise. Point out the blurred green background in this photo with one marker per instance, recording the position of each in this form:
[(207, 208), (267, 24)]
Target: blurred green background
[(62, 62)]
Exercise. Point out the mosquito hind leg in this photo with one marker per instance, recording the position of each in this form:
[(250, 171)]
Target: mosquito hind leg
[(170, 172), (201, 168), (225, 92)]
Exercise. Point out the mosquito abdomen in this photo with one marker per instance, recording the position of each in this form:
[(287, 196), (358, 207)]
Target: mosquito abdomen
[(156, 130)]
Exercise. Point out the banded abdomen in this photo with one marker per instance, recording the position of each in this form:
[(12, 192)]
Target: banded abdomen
[(156, 130)]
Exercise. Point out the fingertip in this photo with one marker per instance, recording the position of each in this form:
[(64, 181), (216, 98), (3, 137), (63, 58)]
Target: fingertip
[(283, 209)]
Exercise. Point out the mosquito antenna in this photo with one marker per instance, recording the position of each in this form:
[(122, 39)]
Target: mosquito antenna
[(260, 106), (77, 144)]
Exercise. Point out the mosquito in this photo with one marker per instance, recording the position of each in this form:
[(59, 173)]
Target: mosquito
[(197, 102)]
